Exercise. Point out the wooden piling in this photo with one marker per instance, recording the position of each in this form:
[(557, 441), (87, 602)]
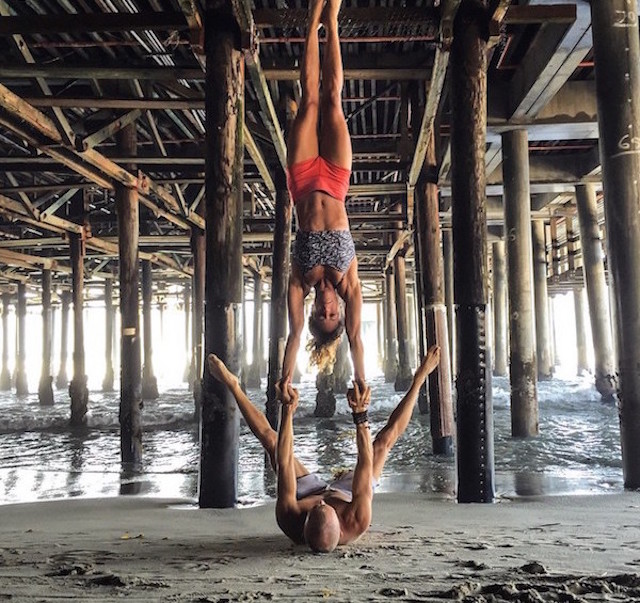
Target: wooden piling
[(468, 69), (45, 387), (447, 256), (431, 264), (596, 285), (517, 210), (187, 376), (543, 332), (253, 377), (149, 381), (220, 418), (78, 391), (198, 249), (500, 310), (403, 376), (5, 375), (279, 287), (127, 210), (109, 315), (391, 360), (62, 380), (581, 335), (22, 388)]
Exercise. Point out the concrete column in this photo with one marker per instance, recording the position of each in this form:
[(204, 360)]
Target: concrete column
[(186, 293), (128, 213), (404, 376), (45, 387), (149, 381), (110, 316), (555, 354), (62, 380), (581, 335), (391, 361), (253, 378), (468, 93), (543, 334), (379, 333), (617, 54), (500, 310), (432, 272), (22, 388), (224, 102), (595, 281), (517, 204), (447, 253), (5, 375)]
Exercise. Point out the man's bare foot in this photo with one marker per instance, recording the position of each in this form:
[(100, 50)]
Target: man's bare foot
[(428, 364), (219, 370), (316, 8)]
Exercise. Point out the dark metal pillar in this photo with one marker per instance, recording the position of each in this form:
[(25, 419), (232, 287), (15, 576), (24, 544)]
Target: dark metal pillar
[(5, 375), (149, 381), (597, 295), (109, 315), (517, 204), (45, 387), (62, 380), (22, 388), (468, 69), (128, 212), (500, 311), (543, 333), (224, 102)]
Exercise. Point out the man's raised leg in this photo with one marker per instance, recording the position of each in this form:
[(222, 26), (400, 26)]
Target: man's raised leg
[(255, 419), (401, 415)]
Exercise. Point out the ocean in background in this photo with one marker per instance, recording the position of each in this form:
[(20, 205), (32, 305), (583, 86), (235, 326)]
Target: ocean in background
[(577, 451)]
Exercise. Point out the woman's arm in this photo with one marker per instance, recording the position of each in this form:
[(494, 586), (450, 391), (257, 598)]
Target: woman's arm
[(353, 312), (295, 300)]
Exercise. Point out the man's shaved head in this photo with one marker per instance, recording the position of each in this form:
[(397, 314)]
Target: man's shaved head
[(322, 528)]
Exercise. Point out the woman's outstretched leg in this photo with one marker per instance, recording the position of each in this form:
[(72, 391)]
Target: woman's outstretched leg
[(335, 142), (256, 420), (303, 137), (401, 415)]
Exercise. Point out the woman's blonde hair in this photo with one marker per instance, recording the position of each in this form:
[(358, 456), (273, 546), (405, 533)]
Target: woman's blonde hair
[(322, 346)]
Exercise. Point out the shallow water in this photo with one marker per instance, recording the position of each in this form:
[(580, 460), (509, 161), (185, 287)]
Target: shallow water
[(578, 450)]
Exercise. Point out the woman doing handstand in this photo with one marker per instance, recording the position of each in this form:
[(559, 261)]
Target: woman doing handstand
[(319, 168)]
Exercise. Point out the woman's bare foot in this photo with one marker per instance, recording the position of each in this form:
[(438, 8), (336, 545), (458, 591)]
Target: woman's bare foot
[(428, 364), (316, 8), (219, 370)]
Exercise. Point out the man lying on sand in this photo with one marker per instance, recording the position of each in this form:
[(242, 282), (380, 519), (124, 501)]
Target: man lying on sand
[(309, 510)]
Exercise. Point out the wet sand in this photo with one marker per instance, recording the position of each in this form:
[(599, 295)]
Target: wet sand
[(579, 548)]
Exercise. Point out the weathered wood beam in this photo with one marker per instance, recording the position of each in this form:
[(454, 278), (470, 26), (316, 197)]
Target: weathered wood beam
[(402, 241), (144, 104), (193, 17), (98, 72), (534, 13), (23, 260), (21, 45), (282, 74), (256, 155), (93, 22), (14, 276), (89, 142)]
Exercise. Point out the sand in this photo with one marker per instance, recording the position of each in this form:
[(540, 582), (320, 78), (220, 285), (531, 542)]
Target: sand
[(579, 548)]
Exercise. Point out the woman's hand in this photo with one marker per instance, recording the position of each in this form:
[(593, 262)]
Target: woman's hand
[(359, 397), (288, 395)]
